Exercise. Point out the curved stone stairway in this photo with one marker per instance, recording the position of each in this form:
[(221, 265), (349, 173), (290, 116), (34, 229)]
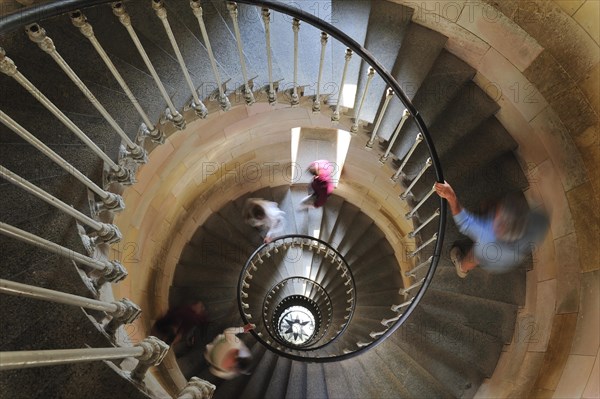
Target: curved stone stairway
[(453, 339)]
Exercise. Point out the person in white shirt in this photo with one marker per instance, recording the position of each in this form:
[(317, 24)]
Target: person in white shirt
[(227, 355), (266, 216)]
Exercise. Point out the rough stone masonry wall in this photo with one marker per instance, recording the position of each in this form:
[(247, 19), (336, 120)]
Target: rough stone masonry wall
[(540, 61)]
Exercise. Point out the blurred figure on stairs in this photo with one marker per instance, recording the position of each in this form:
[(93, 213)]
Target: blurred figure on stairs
[(181, 323), (503, 236), (265, 216), (321, 186), (227, 355)]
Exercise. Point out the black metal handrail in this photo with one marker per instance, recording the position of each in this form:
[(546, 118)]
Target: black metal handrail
[(29, 15), (240, 287), (389, 79)]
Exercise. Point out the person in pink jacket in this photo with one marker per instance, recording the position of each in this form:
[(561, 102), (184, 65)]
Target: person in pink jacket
[(321, 186)]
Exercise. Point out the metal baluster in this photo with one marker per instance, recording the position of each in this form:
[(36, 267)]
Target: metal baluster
[(387, 322), (296, 28), (418, 139), (414, 271), (171, 112), (385, 156), (266, 16), (8, 67), (388, 97), (147, 128), (317, 101), (374, 334), (197, 10), (197, 388), (196, 104), (433, 216), (405, 291), (426, 243), (370, 75), (110, 201), (122, 312), (233, 12), (108, 233), (37, 34), (416, 179), (363, 344), (149, 352), (111, 271), (416, 208), (396, 308), (336, 113)]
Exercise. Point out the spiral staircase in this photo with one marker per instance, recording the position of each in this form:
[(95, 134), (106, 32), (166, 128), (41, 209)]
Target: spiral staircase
[(391, 318)]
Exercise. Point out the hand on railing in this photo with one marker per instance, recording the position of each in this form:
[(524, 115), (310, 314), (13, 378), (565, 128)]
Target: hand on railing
[(249, 327)]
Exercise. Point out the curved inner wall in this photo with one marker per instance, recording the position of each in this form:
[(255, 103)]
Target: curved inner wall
[(218, 159)]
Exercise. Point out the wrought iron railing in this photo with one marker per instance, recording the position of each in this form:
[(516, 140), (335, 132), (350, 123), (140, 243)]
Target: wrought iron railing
[(123, 170)]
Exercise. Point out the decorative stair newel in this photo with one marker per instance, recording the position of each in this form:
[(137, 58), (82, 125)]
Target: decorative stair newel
[(109, 201), (317, 101), (335, 117), (147, 128), (386, 155), (266, 16), (121, 312), (101, 270), (247, 86), (103, 232), (370, 75), (117, 172), (388, 97), (196, 104), (38, 35), (171, 112), (150, 352), (224, 102), (296, 28)]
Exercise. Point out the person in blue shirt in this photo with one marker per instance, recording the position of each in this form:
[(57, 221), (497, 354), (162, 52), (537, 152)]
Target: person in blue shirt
[(502, 238)]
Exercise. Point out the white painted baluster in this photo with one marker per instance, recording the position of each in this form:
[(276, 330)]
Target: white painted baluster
[(266, 16), (396, 308), (233, 13), (418, 139), (426, 243), (317, 101), (407, 290), (118, 172), (147, 128), (108, 233), (416, 179), (420, 266), (388, 97), (416, 208), (296, 28), (197, 388), (433, 216), (110, 201), (108, 271), (335, 118), (386, 155), (196, 104), (122, 312), (197, 10), (171, 112), (150, 352), (370, 75), (38, 35)]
